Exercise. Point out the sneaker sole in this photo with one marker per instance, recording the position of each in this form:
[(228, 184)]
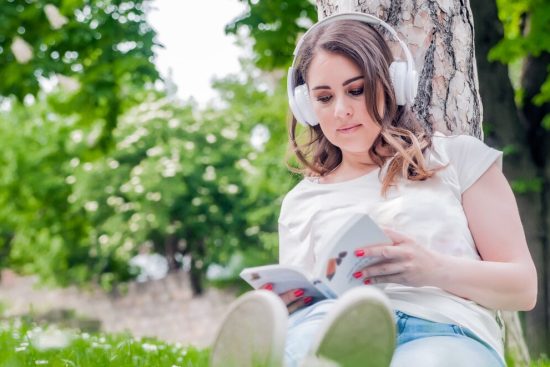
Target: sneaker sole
[(252, 333), (359, 331)]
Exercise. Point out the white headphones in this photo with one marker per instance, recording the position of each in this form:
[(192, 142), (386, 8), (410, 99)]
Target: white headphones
[(403, 74)]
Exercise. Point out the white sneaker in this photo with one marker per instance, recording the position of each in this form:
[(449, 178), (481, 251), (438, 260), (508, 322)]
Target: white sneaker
[(358, 331), (252, 332)]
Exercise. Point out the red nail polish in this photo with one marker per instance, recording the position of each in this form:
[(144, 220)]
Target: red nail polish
[(359, 253), (366, 281), (299, 292), (268, 287), (308, 300), (358, 274)]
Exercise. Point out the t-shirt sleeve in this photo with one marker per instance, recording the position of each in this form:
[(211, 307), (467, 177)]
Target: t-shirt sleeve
[(470, 157)]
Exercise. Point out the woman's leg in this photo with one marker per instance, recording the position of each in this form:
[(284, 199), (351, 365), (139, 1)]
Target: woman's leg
[(445, 351), (431, 344), (303, 326), (355, 330)]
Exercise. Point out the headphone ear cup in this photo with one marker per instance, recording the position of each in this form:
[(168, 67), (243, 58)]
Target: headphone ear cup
[(399, 79), (303, 104)]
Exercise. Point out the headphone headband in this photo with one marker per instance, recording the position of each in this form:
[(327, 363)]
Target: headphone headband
[(362, 17)]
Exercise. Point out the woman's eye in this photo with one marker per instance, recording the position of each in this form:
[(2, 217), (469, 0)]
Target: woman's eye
[(356, 91), (323, 99)]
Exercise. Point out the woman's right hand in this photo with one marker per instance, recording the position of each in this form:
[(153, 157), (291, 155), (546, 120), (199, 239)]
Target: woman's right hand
[(294, 299)]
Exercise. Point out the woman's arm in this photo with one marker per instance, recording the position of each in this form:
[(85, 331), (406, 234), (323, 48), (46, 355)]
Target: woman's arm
[(506, 279)]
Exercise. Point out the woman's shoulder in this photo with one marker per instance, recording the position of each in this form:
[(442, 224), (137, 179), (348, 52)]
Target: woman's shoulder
[(454, 141), (297, 196)]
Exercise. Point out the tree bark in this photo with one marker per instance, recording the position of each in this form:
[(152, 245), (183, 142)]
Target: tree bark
[(440, 35)]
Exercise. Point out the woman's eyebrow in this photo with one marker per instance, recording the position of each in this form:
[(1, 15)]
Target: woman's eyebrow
[(343, 84), (352, 80)]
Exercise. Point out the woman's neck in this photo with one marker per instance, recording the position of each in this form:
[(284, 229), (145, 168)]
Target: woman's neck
[(350, 168)]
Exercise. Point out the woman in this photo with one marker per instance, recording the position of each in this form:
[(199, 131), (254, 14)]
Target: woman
[(459, 251)]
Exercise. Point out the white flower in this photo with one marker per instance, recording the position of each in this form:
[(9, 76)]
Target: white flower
[(50, 339), (232, 189), (155, 151), (21, 50), (149, 347), (153, 196), (229, 133), (75, 162), (70, 180), (104, 239), (209, 174), (91, 206), (260, 135), (68, 83), (56, 19), (173, 123), (112, 163), (211, 138), (76, 137)]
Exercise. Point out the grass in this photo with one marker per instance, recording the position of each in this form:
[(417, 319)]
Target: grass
[(28, 344), (24, 344)]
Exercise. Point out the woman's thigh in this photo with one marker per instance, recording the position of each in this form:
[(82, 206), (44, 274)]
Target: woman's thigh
[(444, 351)]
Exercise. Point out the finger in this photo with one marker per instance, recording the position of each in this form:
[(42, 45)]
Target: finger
[(384, 269), (291, 295), (396, 278), (386, 252), (298, 304), (396, 237), (267, 287)]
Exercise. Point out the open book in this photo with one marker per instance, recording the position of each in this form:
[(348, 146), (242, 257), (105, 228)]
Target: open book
[(333, 272)]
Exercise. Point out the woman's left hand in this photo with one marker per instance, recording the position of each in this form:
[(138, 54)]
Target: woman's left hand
[(403, 262)]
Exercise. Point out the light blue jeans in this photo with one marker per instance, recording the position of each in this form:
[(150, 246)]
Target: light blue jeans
[(419, 342)]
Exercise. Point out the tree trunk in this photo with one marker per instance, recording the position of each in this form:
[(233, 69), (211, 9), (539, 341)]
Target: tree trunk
[(440, 35), (170, 252), (196, 272)]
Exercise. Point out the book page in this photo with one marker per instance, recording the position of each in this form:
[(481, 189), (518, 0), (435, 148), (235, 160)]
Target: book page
[(283, 278), (338, 263)]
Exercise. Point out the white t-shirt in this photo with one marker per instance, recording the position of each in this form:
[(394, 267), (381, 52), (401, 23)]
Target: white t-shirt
[(428, 211)]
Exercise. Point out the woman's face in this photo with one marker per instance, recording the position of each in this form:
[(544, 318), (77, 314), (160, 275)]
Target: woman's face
[(336, 89)]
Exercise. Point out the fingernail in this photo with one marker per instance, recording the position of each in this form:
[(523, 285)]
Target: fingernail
[(299, 292), (359, 253), (366, 281), (308, 300), (269, 287), (358, 274)]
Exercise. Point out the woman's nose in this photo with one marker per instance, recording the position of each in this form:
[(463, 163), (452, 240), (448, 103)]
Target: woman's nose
[(342, 108)]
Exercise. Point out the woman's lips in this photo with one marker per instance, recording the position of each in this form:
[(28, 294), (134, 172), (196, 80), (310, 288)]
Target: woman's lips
[(349, 129)]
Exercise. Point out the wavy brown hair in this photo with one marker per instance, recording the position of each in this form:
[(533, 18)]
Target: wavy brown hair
[(402, 138)]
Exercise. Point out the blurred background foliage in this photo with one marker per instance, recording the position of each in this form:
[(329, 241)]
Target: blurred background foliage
[(101, 162)]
